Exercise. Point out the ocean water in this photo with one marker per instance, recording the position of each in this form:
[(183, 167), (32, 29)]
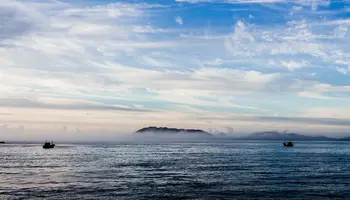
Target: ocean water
[(176, 170)]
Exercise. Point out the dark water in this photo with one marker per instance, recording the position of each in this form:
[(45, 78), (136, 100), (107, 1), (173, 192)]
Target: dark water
[(197, 170)]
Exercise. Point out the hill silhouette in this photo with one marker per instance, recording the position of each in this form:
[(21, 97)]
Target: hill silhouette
[(172, 131), (274, 135)]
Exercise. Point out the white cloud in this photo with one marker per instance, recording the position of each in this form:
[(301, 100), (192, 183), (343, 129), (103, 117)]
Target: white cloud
[(345, 71), (155, 62), (63, 104), (313, 95), (292, 65), (341, 31), (217, 61), (313, 4), (297, 38), (317, 90), (195, 1), (112, 10), (297, 8), (147, 29), (178, 20), (241, 42), (328, 112), (230, 1), (201, 79), (17, 19)]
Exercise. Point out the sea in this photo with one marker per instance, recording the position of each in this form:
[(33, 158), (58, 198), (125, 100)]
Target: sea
[(223, 169)]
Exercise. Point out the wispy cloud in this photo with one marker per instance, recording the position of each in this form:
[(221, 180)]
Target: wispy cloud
[(64, 104), (313, 4), (295, 120), (178, 20)]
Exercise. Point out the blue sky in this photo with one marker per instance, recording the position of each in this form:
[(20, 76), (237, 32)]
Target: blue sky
[(88, 67)]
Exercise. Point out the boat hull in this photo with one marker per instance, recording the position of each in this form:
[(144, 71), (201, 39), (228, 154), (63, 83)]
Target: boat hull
[(49, 146), (288, 145)]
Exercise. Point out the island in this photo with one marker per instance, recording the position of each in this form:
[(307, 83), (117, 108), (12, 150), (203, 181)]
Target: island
[(2, 142), (165, 131)]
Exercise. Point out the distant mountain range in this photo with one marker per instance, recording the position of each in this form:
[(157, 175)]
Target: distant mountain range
[(274, 135), (265, 135), (172, 131), (344, 139)]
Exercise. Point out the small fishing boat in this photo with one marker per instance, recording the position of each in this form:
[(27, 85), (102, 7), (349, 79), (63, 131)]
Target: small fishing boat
[(288, 144), (48, 145)]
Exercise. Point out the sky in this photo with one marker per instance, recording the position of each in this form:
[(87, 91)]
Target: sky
[(95, 69)]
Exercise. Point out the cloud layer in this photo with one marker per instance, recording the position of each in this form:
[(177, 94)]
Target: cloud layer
[(276, 61)]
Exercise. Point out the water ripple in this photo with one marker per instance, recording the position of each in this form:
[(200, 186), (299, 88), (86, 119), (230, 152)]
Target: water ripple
[(196, 170)]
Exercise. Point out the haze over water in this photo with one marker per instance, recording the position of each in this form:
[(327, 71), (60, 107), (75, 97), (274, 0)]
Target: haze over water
[(176, 170)]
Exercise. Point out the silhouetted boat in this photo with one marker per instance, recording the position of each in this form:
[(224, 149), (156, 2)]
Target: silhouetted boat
[(2, 142), (288, 144), (48, 145)]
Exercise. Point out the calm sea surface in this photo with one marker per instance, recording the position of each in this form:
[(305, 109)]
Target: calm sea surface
[(181, 170)]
